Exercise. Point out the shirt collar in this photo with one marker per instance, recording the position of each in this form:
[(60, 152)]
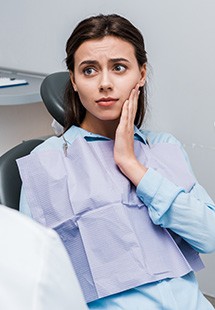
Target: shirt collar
[(75, 131), (140, 135)]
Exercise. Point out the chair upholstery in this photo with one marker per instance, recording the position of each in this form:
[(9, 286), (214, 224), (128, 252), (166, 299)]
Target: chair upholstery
[(52, 92), (10, 182)]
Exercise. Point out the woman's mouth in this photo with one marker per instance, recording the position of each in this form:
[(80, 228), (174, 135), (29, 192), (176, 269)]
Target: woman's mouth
[(106, 101)]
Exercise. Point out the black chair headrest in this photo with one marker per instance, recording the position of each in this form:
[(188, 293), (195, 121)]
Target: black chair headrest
[(52, 92)]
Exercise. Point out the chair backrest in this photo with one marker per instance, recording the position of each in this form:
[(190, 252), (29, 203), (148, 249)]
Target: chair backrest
[(10, 182), (52, 92)]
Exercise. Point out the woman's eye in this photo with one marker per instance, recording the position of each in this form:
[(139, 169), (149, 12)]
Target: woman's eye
[(88, 71), (120, 68)]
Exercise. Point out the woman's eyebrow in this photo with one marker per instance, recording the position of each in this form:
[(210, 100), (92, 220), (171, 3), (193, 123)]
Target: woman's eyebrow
[(114, 60), (89, 62), (95, 62)]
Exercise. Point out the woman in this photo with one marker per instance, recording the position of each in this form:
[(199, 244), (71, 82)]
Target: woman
[(124, 201)]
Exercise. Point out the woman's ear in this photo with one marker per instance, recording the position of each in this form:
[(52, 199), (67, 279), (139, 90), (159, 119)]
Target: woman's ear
[(72, 79), (142, 75)]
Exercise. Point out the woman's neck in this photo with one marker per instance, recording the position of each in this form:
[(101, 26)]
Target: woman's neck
[(103, 128)]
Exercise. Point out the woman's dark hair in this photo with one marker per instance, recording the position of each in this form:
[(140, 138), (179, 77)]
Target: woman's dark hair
[(97, 27)]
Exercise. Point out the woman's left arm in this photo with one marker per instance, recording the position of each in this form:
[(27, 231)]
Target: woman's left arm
[(191, 215)]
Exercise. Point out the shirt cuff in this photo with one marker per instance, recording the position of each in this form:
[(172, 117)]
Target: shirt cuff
[(157, 193)]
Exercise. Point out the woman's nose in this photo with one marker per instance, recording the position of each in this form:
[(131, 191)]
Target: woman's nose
[(105, 82)]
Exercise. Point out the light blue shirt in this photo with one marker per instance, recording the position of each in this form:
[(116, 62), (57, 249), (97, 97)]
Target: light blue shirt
[(190, 215)]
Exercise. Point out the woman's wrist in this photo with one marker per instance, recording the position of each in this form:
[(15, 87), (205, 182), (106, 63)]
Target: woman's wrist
[(133, 170)]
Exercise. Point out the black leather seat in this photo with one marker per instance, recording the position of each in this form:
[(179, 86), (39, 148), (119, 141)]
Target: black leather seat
[(52, 92), (10, 182)]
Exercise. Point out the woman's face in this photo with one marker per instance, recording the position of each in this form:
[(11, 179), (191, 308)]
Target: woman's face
[(105, 72)]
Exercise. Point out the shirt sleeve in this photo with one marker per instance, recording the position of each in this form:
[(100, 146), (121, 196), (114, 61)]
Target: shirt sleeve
[(191, 215)]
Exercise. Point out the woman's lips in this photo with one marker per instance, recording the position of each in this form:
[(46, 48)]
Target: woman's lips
[(106, 102)]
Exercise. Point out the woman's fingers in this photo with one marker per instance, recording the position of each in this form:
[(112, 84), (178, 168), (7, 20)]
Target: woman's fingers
[(124, 137), (132, 104), (124, 154), (129, 108)]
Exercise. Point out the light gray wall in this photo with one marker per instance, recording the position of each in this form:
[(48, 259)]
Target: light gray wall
[(179, 37), (23, 122)]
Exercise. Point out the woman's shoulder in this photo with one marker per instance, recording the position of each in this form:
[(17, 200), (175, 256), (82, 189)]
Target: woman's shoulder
[(57, 142), (155, 137)]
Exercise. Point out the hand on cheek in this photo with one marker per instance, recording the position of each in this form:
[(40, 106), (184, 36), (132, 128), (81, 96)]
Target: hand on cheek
[(125, 130), (124, 140)]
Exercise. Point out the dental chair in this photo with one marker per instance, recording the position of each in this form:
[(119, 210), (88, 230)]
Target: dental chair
[(10, 182), (70, 295), (52, 93)]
